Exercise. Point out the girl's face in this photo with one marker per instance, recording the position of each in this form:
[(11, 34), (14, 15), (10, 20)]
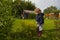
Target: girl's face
[(37, 11)]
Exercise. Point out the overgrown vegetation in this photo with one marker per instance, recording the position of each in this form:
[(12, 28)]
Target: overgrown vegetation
[(26, 29), (6, 19), (8, 10), (18, 29)]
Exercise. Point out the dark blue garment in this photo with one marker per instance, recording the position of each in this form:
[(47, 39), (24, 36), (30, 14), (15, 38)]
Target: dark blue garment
[(40, 18)]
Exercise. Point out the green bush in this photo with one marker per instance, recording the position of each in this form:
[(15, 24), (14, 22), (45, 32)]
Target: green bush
[(5, 27), (23, 29), (6, 19)]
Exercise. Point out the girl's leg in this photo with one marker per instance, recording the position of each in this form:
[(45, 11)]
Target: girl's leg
[(39, 30)]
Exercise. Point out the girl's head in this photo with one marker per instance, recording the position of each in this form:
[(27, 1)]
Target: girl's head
[(37, 11)]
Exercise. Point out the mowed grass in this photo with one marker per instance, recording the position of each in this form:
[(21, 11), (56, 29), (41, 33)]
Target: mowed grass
[(19, 23)]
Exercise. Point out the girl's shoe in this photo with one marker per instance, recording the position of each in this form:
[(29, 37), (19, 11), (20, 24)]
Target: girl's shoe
[(39, 33)]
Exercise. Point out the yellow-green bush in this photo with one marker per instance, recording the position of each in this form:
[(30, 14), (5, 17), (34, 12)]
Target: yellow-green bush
[(25, 28)]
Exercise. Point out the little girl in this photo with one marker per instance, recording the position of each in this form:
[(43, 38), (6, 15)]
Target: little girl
[(39, 21)]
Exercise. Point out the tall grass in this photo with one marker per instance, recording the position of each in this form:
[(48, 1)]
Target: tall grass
[(20, 24), (25, 29)]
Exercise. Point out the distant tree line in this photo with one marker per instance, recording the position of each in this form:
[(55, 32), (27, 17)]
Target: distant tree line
[(51, 9)]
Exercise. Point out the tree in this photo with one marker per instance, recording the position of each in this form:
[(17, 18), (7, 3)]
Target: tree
[(50, 9), (30, 6), (19, 6)]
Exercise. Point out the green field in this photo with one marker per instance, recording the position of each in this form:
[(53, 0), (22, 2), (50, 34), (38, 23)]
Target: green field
[(48, 23), (26, 29)]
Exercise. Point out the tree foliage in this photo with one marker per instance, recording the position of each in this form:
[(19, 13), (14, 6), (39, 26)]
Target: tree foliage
[(5, 18), (50, 9), (19, 6)]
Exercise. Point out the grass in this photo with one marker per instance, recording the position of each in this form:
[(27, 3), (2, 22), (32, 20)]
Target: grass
[(24, 29), (48, 24)]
